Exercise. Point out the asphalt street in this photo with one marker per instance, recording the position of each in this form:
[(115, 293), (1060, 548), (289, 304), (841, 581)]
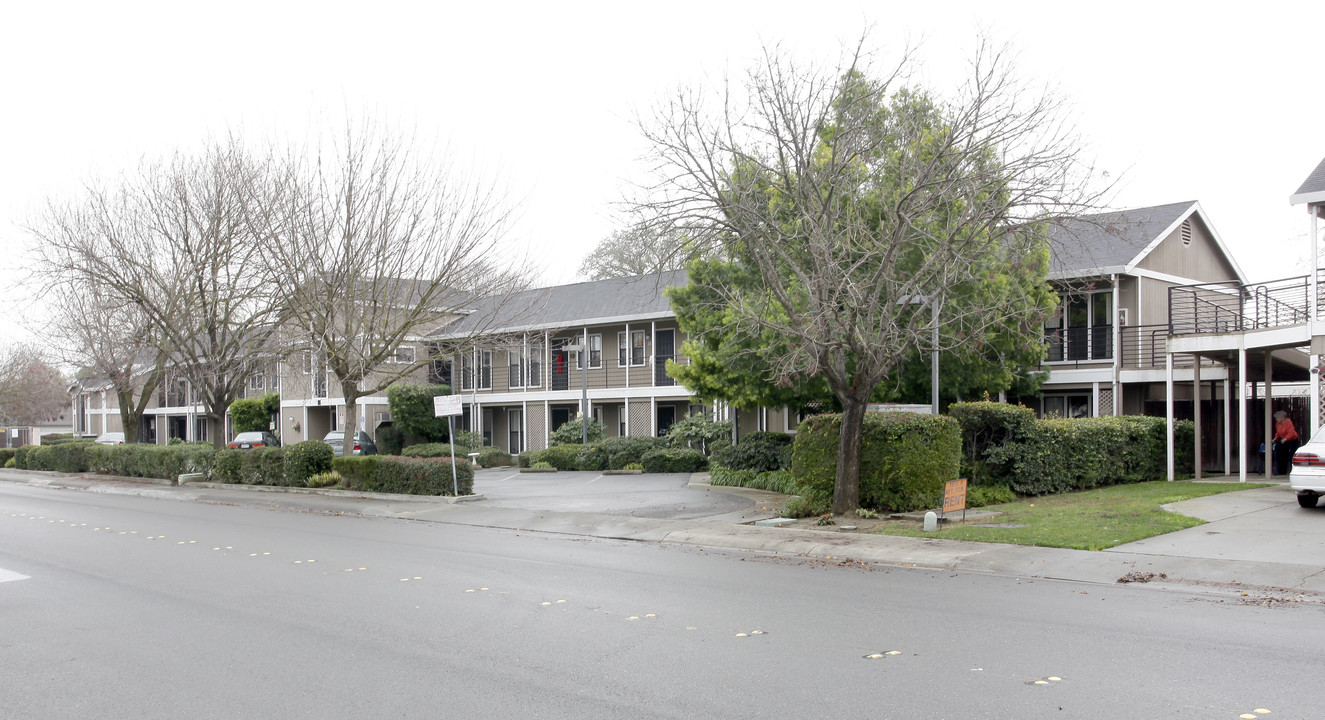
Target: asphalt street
[(124, 606)]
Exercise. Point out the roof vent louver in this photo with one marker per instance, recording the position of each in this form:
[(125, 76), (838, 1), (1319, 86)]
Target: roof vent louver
[(1186, 233)]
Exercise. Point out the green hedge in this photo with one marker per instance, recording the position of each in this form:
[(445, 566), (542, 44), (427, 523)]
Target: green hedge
[(434, 450), (905, 458), (167, 462), (6, 454), (1057, 456), (987, 427), (489, 456), (561, 457), (674, 460), (68, 457), (304, 460), (412, 411), (260, 466), (760, 451), (21, 456), (410, 476)]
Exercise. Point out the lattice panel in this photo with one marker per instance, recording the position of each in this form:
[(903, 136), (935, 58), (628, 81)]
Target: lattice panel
[(1106, 402), (641, 418), (536, 422)]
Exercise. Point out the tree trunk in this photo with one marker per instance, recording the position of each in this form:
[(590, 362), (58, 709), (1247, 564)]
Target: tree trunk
[(846, 488), (350, 391), (216, 430)]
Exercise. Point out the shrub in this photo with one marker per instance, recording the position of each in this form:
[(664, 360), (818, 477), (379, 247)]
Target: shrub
[(9, 463), (467, 442), (412, 410), (21, 456), (494, 457), (433, 450), (758, 451), (696, 433), (561, 457), (628, 449), (254, 414), (674, 460), (40, 458), (808, 505), (570, 432), (322, 480), (390, 440), (68, 457), (229, 466), (304, 460), (781, 481), (405, 475), (592, 457), (154, 461), (987, 426), (262, 466), (982, 495), (543, 466), (905, 458), (59, 438), (7, 454), (634, 466)]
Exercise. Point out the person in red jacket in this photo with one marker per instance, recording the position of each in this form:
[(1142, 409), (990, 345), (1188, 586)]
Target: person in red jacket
[(1286, 443)]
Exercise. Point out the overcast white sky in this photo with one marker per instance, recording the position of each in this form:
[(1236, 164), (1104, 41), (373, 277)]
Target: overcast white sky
[(1185, 101)]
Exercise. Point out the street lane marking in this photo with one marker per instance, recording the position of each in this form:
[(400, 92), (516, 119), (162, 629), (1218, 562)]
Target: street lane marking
[(7, 575)]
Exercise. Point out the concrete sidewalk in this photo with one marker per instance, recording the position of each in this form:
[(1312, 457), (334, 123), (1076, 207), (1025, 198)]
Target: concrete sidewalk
[(1256, 544)]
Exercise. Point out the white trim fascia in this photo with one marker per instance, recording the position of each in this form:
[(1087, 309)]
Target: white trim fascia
[(1163, 277), (663, 392), (1078, 375), (1311, 197), (1157, 375), (588, 322), (1081, 273)]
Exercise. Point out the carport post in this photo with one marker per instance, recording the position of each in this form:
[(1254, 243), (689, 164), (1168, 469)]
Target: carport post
[(1168, 408), (1269, 413), (1242, 413), (1196, 416)]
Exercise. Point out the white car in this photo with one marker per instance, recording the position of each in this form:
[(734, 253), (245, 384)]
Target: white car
[(110, 438), (1307, 478)]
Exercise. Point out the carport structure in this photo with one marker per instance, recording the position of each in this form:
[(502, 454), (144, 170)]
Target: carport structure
[(1269, 332)]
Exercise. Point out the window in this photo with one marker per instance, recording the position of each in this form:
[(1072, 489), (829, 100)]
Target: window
[(1083, 327), (484, 369), (466, 372), (404, 355), (1065, 406), (535, 366), (621, 349), (515, 367), (595, 343), (256, 381), (637, 341)]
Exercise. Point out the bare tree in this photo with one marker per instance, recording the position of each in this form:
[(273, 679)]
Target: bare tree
[(177, 240), (637, 250), (379, 246), (852, 205), (32, 390), (111, 340)]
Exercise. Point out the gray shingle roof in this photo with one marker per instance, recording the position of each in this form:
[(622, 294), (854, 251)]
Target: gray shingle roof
[(1109, 240), (1315, 182), (586, 303)]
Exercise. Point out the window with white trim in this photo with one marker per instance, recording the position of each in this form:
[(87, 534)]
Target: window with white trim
[(595, 343), (484, 369), (404, 355)]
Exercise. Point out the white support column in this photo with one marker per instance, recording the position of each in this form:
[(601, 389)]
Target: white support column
[(1168, 410), (653, 370), (547, 424), (1242, 414), (653, 417), (1313, 376), (1095, 400), (1116, 384), (629, 350), (1228, 424), (1196, 416), (1269, 412), (524, 424)]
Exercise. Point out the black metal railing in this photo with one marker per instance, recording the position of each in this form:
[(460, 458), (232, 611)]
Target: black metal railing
[(566, 375), (1232, 307), (1079, 344)]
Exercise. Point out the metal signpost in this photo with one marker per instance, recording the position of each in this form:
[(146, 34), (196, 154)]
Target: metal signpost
[(448, 406)]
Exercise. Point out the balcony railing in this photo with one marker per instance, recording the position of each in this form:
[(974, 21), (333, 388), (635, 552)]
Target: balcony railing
[(565, 375), (1079, 344), (1232, 307)]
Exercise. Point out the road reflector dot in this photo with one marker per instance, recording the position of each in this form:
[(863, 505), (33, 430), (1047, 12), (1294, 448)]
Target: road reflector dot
[(252, 554), (482, 588), (216, 548), (560, 602), (362, 569), (181, 542), (633, 617), (1053, 679), (1261, 711), (873, 656), (546, 603), (1247, 716), (692, 628), (310, 561), (893, 652), (741, 635), (191, 542), (756, 632), (1041, 682), (470, 590), (298, 562), (404, 579), (650, 615)]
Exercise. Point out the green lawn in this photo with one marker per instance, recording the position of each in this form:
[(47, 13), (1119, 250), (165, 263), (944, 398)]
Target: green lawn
[(1088, 520)]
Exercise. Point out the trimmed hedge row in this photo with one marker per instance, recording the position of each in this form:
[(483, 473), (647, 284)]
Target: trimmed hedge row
[(760, 451), (410, 476), (1007, 445), (153, 461), (781, 481), (905, 458)]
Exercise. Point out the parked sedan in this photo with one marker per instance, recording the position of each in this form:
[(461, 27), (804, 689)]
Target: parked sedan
[(1307, 478), (110, 438), (254, 439), (363, 445)]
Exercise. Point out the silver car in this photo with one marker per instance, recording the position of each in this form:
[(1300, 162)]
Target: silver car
[(110, 438), (363, 445)]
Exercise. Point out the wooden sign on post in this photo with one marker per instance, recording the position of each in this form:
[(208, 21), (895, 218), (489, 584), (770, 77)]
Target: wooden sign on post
[(954, 496)]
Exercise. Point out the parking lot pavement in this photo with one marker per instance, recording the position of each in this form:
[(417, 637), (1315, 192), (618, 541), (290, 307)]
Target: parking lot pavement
[(1261, 525), (645, 496)]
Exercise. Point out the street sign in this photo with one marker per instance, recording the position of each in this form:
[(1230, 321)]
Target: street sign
[(954, 496), (446, 405)]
